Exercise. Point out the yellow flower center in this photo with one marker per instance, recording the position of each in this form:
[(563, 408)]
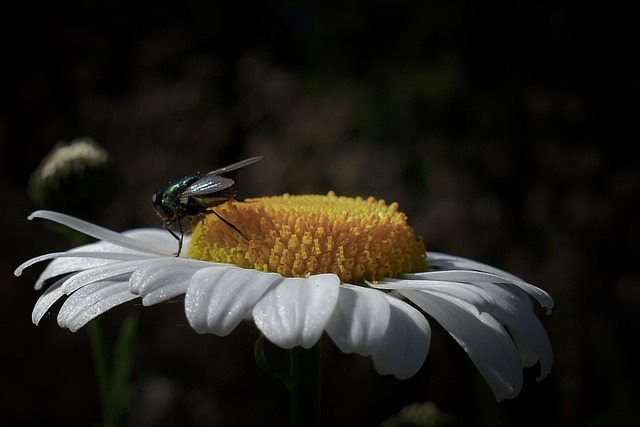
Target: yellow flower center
[(298, 236)]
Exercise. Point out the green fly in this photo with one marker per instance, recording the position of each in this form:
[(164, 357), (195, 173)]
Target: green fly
[(193, 195)]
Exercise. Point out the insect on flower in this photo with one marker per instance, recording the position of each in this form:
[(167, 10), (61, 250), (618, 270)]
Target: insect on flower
[(193, 195)]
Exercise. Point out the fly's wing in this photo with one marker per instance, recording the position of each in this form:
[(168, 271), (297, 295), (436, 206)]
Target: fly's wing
[(211, 182), (234, 166), (207, 185)]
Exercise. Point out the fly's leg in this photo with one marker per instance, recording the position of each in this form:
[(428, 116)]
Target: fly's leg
[(229, 224), (178, 238)]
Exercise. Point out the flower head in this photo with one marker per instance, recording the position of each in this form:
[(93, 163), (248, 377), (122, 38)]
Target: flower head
[(303, 266), (78, 176), (300, 236)]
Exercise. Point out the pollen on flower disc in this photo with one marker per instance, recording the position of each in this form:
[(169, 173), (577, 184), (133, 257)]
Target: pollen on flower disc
[(297, 236)]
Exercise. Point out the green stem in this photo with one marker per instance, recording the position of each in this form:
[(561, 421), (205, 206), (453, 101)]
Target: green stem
[(263, 363), (303, 381), (306, 390), (100, 364), (113, 380)]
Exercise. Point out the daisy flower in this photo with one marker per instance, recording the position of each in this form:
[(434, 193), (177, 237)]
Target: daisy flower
[(304, 266)]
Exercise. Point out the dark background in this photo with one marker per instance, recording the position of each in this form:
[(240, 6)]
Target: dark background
[(506, 131)]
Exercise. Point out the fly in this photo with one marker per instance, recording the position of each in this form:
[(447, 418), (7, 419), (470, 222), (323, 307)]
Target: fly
[(193, 195)]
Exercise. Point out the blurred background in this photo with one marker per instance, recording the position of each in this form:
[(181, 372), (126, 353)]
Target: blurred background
[(503, 129)]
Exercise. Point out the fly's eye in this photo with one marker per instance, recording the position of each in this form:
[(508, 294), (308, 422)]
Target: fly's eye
[(158, 204), (157, 197)]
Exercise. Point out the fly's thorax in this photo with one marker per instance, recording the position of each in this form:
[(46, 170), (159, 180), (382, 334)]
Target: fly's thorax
[(176, 188), (166, 202)]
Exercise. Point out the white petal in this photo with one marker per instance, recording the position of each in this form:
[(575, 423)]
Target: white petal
[(91, 301), (457, 276), (49, 297), (514, 311), (111, 271), (297, 310), (468, 292), (360, 320), (64, 264), (437, 259), (159, 239), (483, 338), (97, 232), (441, 260), (219, 298), (406, 342), (512, 307), (161, 279), (99, 254), (75, 261)]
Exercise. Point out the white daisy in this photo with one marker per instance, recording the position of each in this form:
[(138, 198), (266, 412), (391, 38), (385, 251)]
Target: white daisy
[(349, 267)]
